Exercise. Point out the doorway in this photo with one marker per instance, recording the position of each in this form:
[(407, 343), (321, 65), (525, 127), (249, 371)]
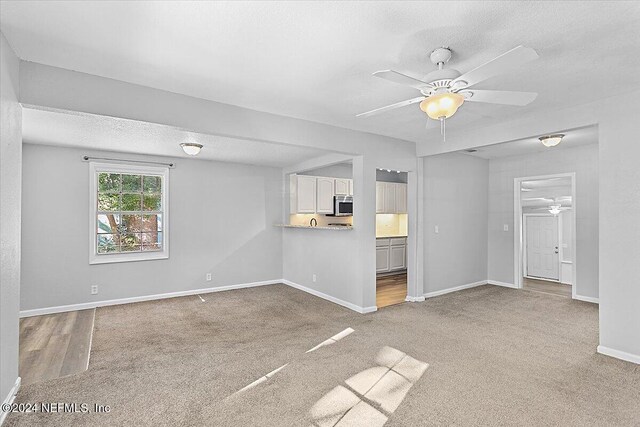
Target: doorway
[(392, 225), (545, 234)]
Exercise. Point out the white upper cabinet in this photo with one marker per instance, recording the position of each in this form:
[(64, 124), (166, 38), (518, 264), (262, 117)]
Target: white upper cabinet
[(303, 194), (391, 197), (401, 198), (324, 202), (342, 186), (380, 195)]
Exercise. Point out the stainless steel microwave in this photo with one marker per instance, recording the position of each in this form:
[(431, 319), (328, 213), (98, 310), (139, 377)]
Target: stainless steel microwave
[(342, 206)]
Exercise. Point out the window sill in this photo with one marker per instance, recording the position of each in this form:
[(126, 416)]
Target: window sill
[(132, 257)]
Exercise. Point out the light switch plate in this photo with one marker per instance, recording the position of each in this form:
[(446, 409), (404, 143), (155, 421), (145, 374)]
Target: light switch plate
[(436, 229), (505, 227)]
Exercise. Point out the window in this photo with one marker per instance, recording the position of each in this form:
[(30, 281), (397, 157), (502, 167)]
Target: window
[(129, 213)]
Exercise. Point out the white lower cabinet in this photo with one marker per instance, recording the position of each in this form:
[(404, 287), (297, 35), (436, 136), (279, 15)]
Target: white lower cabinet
[(382, 259), (391, 254)]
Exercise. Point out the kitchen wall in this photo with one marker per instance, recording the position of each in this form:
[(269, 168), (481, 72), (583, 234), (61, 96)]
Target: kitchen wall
[(583, 161), (10, 187), (389, 225), (222, 217), (455, 200)]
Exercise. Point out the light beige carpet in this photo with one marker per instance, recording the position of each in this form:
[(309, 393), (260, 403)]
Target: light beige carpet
[(495, 356)]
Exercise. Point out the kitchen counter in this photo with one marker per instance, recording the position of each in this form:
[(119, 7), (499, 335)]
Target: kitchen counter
[(389, 236), (326, 227)]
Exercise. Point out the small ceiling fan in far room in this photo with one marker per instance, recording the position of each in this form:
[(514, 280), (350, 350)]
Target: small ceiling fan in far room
[(444, 90)]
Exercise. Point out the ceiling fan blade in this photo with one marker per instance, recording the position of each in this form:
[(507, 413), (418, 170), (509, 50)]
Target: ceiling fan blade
[(403, 79), (500, 96), (391, 107), (503, 63)]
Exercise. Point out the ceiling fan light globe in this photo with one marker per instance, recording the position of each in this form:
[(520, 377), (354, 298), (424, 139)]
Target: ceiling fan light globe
[(442, 106)]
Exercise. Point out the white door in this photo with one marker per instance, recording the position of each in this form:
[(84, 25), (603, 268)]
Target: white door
[(542, 247), (382, 259), (342, 186), (389, 197), (306, 194), (324, 204), (380, 195), (401, 198), (397, 257)]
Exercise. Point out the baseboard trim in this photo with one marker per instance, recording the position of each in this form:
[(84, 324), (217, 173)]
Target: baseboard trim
[(505, 284), (414, 299), (622, 355), (351, 306), (587, 299), (95, 304), (10, 398), (454, 289)]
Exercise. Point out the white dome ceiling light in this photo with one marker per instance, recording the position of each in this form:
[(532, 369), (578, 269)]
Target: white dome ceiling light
[(191, 148), (551, 140)]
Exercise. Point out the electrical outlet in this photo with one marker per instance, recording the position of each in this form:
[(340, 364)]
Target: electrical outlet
[(208, 277), (94, 289), (314, 278), (436, 229), (505, 227)]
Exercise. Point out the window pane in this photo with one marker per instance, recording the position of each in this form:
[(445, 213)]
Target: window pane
[(152, 223), (131, 223), (130, 242), (108, 182), (151, 241), (107, 243), (131, 183), (152, 184), (108, 223), (108, 202), (152, 202), (131, 202)]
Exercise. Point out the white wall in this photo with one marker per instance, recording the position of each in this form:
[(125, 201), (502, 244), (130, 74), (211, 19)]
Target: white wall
[(620, 226), (581, 160), (10, 176), (222, 217), (455, 198), (340, 170)]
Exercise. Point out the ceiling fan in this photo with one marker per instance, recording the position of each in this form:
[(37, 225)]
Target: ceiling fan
[(444, 90)]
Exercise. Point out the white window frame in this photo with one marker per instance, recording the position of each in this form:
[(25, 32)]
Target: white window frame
[(94, 169)]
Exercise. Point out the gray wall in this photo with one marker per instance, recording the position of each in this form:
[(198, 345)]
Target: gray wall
[(620, 226), (581, 160), (384, 176), (10, 176), (222, 217), (455, 199), (340, 170)]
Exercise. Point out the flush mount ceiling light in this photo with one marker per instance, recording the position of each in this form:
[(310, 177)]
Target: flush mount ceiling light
[(191, 148), (551, 140)]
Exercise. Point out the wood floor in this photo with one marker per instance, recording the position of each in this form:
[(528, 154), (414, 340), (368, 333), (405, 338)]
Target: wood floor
[(547, 287), (391, 290), (55, 345)]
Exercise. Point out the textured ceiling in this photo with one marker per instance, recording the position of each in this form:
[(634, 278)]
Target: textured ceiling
[(572, 138), (314, 60), (112, 134)]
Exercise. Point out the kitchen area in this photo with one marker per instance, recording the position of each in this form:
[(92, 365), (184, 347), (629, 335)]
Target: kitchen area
[(322, 199)]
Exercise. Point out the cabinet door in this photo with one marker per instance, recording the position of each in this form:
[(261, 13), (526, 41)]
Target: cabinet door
[(380, 193), (342, 186), (306, 194), (324, 202), (389, 197), (397, 257), (401, 198), (382, 259), (351, 187)]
